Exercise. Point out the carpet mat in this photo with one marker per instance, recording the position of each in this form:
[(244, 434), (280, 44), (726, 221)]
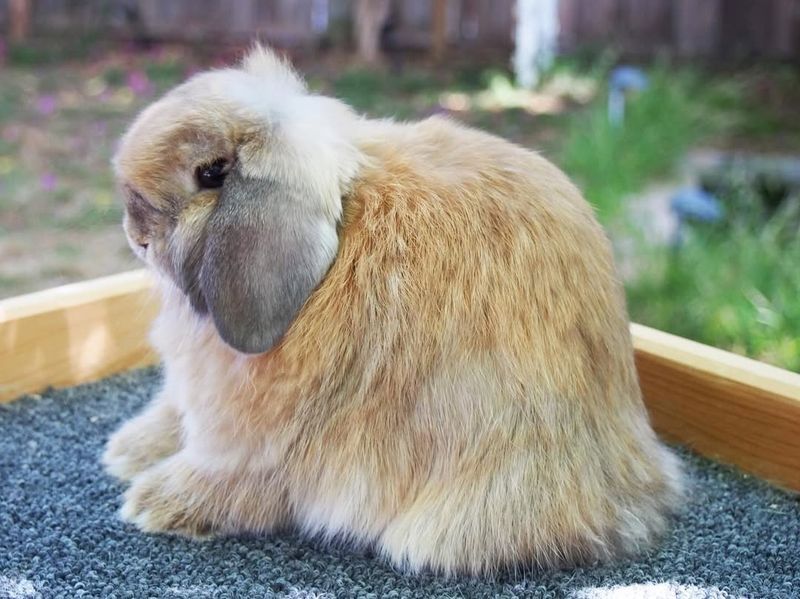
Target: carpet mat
[(60, 535)]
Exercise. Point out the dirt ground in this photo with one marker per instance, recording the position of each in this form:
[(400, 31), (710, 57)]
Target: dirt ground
[(59, 217)]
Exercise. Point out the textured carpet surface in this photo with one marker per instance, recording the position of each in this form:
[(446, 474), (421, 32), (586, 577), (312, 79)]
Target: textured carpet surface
[(60, 536)]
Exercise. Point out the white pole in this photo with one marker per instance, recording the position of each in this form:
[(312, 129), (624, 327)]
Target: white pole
[(535, 40)]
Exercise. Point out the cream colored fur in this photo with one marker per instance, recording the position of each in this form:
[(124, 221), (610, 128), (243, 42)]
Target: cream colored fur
[(459, 391)]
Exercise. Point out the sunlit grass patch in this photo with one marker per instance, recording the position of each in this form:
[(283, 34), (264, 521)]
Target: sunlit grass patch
[(736, 289)]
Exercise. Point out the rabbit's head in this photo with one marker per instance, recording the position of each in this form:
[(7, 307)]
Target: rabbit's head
[(232, 186)]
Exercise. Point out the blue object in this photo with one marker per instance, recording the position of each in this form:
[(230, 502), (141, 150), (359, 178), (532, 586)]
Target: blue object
[(623, 79), (627, 78), (692, 203)]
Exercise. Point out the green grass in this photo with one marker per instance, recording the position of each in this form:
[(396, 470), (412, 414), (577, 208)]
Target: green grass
[(114, 76), (733, 286), (409, 92), (680, 108), (10, 99), (10, 284), (382, 94), (55, 50), (165, 74), (611, 162), (737, 289)]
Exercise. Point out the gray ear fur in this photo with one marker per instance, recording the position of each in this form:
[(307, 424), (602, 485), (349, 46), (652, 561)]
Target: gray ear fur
[(266, 249)]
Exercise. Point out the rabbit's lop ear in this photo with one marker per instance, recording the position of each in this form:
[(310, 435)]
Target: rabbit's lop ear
[(266, 249)]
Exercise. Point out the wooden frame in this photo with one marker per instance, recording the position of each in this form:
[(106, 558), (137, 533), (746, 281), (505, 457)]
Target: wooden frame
[(722, 405), (75, 334)]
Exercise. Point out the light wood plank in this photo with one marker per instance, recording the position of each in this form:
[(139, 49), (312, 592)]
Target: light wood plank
[(74, 334), (722, 405)]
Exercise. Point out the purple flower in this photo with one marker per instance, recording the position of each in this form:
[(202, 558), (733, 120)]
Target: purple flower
[(46, 104), (139, 83), (48, 181)]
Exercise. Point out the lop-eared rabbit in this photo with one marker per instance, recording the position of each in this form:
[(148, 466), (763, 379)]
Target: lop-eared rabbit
[(409, 336)]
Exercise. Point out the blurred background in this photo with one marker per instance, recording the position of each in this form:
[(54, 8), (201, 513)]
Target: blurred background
[(679, 119)]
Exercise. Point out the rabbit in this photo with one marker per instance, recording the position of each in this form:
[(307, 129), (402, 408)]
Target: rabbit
[(408, 337)]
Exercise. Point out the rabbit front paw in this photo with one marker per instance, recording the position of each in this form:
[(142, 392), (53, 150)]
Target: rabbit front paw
[(142, 442), (168, 498)]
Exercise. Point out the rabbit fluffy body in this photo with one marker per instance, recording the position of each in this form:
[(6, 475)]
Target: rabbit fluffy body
[(403, 335)]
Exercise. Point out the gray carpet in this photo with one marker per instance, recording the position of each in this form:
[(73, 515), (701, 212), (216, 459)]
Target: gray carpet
[(59, 535)]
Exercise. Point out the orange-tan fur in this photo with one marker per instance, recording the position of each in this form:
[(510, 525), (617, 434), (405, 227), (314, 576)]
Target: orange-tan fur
[(459, 390)]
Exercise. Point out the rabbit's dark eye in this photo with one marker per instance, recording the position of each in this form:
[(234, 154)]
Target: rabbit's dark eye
[(212, 176)]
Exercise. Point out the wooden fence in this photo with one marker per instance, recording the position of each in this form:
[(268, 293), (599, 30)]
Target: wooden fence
[(717, 29), (721, 29)]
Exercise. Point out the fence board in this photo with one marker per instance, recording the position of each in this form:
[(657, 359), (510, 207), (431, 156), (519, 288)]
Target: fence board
[(719, 29)]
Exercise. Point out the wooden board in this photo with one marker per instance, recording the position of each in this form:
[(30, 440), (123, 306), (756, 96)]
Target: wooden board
[(74, 334), (722, 405)]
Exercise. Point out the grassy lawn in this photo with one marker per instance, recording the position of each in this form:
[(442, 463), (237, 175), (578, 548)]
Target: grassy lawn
[(733, 286), (737, 289)]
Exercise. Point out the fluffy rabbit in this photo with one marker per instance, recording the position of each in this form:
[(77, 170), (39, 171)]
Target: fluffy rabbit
[(409, 336)]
